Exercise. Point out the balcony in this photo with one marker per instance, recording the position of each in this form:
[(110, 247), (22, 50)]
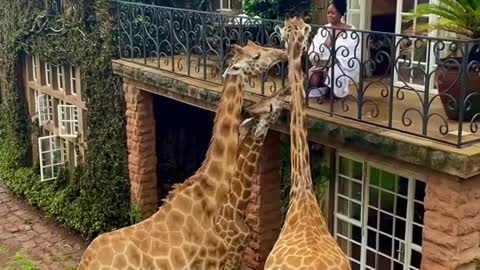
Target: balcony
[(396, 90)]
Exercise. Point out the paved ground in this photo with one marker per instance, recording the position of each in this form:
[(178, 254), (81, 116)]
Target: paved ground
[(28, 238)]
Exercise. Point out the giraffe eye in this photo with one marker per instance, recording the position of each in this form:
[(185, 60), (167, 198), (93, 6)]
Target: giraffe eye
[(256, 57)]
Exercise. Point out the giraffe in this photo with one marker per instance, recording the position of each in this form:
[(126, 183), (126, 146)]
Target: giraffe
[(231, 220), (304, 241), (181, 234)]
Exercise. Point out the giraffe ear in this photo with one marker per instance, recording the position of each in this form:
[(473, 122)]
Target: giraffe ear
[(245, 127), (251, 43), (235, 48)]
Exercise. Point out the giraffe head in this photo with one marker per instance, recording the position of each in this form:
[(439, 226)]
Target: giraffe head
[(294, 30), (252, 60), (264, 113)]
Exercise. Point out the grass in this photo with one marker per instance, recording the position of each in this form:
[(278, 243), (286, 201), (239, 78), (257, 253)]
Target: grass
[(21, 262)]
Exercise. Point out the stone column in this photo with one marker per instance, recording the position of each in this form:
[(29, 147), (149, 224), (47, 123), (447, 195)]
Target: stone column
[(142, 160), (264, 211), (451, 235)]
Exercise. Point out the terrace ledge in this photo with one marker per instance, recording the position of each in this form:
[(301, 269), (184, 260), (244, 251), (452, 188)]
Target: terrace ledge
[(334, 132)]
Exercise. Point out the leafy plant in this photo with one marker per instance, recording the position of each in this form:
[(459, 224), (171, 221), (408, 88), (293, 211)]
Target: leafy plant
[(457, 16)]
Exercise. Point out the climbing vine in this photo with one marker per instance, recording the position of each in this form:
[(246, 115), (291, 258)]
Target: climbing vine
[(95, 197)]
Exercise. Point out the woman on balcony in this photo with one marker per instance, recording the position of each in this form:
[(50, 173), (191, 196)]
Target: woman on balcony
[(347, 47)]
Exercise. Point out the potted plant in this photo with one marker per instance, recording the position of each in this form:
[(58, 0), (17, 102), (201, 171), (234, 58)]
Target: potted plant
[(463, 18)]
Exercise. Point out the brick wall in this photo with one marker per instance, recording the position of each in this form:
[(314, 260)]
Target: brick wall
[(142, 161), (264, 213), (451, 236)]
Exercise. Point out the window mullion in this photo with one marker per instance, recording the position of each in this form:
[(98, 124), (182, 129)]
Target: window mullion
[(409, 223), (364, 213)]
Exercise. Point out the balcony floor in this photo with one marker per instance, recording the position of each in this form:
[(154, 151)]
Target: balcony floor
[(407, 104)]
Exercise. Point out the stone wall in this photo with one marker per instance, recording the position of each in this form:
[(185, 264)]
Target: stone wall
[(451, 236), (264, 211), (142, 160)]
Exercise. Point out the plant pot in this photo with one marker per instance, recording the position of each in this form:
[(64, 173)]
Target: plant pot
[(449, 80)]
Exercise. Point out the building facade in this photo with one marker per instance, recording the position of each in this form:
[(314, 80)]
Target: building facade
[(54, 96)]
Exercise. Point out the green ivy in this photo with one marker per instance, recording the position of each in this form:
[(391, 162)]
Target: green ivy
[(277, 9), (95, 197)]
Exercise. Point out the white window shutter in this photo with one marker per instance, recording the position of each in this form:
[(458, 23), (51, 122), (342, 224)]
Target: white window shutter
[(51, 157), (67, 120)]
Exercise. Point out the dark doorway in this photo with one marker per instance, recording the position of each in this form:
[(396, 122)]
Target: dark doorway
[(382, 44), (183, 134)]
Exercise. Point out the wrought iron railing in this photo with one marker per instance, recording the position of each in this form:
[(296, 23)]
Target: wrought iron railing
[(423, 86)]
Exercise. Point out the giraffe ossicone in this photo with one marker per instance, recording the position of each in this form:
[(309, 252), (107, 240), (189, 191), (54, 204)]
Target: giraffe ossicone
[(182, 234)]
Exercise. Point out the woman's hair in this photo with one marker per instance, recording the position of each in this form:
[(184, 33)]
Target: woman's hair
[(340, 5)]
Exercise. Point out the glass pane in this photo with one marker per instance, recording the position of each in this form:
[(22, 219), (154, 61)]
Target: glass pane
[(374, 177), (400, 228), (388, 181), (356, 191), (408, 5), (343, 243), (342, 206), (417, 235), (384, 262), (373, 197), (416, 259), (343, 186), (386, 223), (385, 244), (371, 259), (342, 228), (356, 251), (372, 239), (386, 201), (418, 213), (356, 211), (419, 190), (351, 168), (372, 218), (401, 210)]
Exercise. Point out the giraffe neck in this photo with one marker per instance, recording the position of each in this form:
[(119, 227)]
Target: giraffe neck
[(301, 181), (221, 156), (241, 183)]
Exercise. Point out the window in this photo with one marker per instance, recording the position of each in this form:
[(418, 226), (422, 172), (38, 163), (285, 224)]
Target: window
[(378, 216), (67, 120), (73, 80), (225, 4), (48, 74), (51, 157), (45, 108), (353, 13), (34, 67), (61, 77)]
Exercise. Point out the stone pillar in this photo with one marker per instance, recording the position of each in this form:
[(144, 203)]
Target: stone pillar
[(264, 211), (451, 235), (142, 160)]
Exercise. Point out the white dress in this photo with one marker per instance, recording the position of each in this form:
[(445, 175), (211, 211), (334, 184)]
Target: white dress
[(348, 48)]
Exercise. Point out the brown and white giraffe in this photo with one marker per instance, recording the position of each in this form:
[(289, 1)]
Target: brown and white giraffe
[(304, 241), (231, 222), (181, 234)]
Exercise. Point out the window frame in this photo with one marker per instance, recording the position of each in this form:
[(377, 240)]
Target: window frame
[(48, 74), (73, 81), (67, 120), (53, 142), (367, 165), (61, 77)]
